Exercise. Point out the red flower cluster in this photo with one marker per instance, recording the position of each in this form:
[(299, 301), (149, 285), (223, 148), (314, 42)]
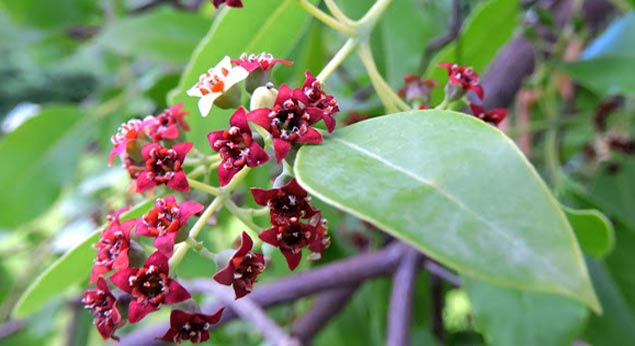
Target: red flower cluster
[(103, 306), (243, 268), (292, 115), (236, 147), (113, 246), (289, 205)]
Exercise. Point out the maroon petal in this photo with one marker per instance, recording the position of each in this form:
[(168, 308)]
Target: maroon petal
[(245, 245), (165, 243), (172, 132), (478, 90), (182, 149), (144, 183), (329, 121), (142, 229), (239, 119), (225, 276), (120, 279), (188, 209), (145, 152), (293, 259), (283, 94), (261, 196), (311, 136), (158, 260), (212, 137), (137, 311), (281, 148), (257, 155), (122, 261), (176, 293), (260, 117), (225, 174), (476, 109), (240, 290), (96, 272), (179, 182), (213, 319), (270, 236), (293, 188)]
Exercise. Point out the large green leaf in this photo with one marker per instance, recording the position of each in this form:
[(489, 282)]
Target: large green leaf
[(487, 29), (605, 74), (270, 26), (70, 269), (455, 188), (164, 35), (594, 231), (40, 158), (508, 316)]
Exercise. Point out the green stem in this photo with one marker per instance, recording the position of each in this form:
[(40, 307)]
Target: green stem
[(337, 12), (372, 16), (443, 105), (243, 217), (337, 59), (392, 102), (182, 248), (325, 18), (203, 187)]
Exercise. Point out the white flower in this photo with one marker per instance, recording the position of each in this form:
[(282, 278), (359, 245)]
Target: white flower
[(215, 83)]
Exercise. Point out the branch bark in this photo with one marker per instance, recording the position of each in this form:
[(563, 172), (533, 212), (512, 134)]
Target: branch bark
[(401, 299)]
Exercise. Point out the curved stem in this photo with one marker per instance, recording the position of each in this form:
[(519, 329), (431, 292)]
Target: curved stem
[(203, 187), (391, 101), (325, 18), (243, 217), (337, 12), (337, 59)]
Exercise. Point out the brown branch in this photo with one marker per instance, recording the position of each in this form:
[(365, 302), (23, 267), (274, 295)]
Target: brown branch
[(436, 44), (11, 327), (401, 299), (439, 271), (437, 300), (326, 305)]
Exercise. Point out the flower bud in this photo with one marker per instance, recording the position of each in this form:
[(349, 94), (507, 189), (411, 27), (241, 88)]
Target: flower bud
[(263, 97)]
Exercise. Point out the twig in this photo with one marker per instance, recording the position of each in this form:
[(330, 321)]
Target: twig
[(437, 270), (401, 300), (325, 306), (453, 32), (436, 299), (11, 327), (249, 311)]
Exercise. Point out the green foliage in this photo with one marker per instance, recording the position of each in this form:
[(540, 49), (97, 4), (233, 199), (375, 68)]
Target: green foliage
[(508, 316), (444, 202), (594, 231), (43, 154)]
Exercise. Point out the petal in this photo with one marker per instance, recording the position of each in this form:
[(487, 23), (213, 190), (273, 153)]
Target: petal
[(329, 121), (293, 259), (240, 290), (236, 74), (176, 293), (179, 182), (120, 279), (245, 245), (102, 285), (262, 197), (257, 155), (212, 137), (239, 119), (281, 148), (311, 136), (97, 272), (226, 63), (137, 311), (283, 94), (225, 174), (172, 132), (247, 65), (158, 260), (293, 188), (270, 236), (122, 261), (127, 226), (142, 229), (178, 318), (225, 276), (476, 109), (213, 319), (478, 90), (188, 209), (145, 151), (144, 183), (165, 243), (206, 102), (194, 91), (182, 149), (260, 117)]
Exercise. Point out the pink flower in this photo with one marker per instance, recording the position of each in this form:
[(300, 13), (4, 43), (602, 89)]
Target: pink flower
[(416, 89), (287, 204), (465, 77), (236, 147), (113, 246), (194, 327), (230, 3), (124, 139), (149, 287), (287, 122), (264, 61), (167, 124), (312, 96), (216, 82), (165, 220), (493, 117), (103, 305), (163, 166), (243, 268)]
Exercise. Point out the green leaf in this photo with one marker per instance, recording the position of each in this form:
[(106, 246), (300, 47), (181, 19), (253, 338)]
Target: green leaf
[(508, 316), (164, 35), (487, 29), (46, 14), (618, 38), (621, 263), (606, 74), (270, 26), (594, 231), (43, 154), (70, 269), (455, 188), (617, 323)]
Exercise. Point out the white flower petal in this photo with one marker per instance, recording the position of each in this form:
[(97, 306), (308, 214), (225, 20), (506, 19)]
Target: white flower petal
[(206, 102), (234, 76), (194, 91), (226, 63)]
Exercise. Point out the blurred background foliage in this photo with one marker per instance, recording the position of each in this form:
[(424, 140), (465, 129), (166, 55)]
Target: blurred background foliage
[(73, 70)]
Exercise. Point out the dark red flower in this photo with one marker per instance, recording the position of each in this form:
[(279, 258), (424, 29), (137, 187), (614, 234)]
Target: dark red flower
[(416, 89), (312, 95), (163, 166), (194, 327), (243, 268), (167, 124), (164, 222), (149, 287), (123, 141), (287, 122), (493, 117), (103, 306), (290, 238), (287, 204), (113, 245), (236, 147), (230, 3), (465, 77), (264, 61)]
